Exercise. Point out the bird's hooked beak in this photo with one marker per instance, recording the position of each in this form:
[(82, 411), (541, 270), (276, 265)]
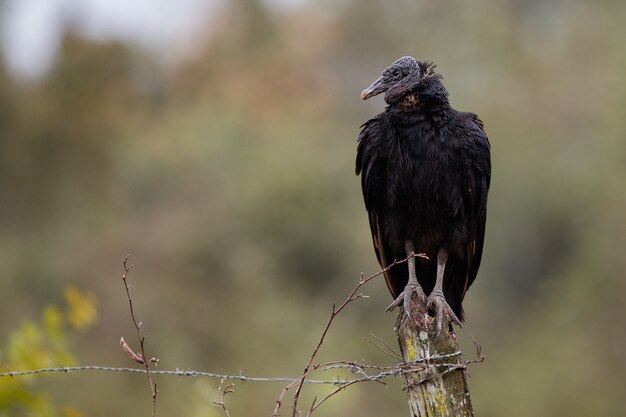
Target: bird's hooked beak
[(374, 89)]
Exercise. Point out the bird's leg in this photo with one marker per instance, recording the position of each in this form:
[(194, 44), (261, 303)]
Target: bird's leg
[(436, 299), (412, 286)]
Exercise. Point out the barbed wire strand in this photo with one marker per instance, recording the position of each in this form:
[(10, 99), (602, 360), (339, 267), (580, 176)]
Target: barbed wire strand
[(177, 372), (195, 374)]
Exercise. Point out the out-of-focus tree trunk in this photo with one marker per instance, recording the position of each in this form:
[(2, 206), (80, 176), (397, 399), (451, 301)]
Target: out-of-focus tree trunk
[(438, 387)]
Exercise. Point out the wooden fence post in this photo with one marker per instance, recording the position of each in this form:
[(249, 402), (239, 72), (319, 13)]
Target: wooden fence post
[(436, 382)]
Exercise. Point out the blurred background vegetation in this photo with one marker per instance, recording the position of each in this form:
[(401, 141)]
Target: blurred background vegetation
[(229, 176)]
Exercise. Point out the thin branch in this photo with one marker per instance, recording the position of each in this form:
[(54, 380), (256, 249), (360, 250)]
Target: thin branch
[(326, 366), (134, 356), (223, 392), (386, 349), (479, 350), (357, 368), (354, 295), (389, 348), (316, 404), (279, 400)]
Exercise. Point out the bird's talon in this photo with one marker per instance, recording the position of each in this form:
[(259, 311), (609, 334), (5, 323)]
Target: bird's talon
[(395, 303), (406, 298), (438, 303)]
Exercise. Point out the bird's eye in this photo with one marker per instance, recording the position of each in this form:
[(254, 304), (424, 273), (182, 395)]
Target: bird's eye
[(393, 74)]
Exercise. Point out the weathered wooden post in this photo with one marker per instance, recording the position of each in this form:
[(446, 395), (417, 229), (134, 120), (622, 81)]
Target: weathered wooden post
[(436, 382)]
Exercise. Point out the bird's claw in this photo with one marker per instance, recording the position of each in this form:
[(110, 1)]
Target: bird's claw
[(438, 304), (406, 297)]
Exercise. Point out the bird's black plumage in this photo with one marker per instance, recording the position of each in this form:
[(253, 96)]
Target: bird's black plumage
[(425, 172)]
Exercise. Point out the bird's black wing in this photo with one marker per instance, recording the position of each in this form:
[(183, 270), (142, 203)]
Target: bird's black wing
[(477, 159), (371, 164)]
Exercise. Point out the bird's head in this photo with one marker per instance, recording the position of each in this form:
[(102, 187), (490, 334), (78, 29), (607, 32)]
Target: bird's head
[(399, 79)]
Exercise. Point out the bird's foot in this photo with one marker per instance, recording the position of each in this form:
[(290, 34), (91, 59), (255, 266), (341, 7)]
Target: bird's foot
[(438, 304), (406, 297)]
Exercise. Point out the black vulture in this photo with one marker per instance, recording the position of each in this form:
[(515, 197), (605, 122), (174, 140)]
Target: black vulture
[(425, 172)]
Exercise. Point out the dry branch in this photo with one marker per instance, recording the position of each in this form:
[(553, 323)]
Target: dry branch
[(354, 295), (139, 358), (230, 388)]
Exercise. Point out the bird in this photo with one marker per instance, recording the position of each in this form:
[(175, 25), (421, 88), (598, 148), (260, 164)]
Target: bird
[(425, 175)]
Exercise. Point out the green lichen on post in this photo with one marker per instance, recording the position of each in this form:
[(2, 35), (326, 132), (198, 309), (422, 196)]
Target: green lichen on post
[(434, 387), (411, 354)]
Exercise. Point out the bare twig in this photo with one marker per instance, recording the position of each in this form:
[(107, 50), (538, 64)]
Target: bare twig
[(479, 350), (316, 403), (134, 356), (386, 349), (279, 401), (351, 365), (230, 388), (354, 295)]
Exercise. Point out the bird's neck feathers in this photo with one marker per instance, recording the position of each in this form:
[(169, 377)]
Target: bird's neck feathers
[(427, 99)]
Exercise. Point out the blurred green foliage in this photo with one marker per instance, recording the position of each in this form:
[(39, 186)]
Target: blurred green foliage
[(230, 180), (42, 344)]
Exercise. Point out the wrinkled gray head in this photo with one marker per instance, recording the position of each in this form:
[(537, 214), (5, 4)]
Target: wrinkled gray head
[(396, 80)]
